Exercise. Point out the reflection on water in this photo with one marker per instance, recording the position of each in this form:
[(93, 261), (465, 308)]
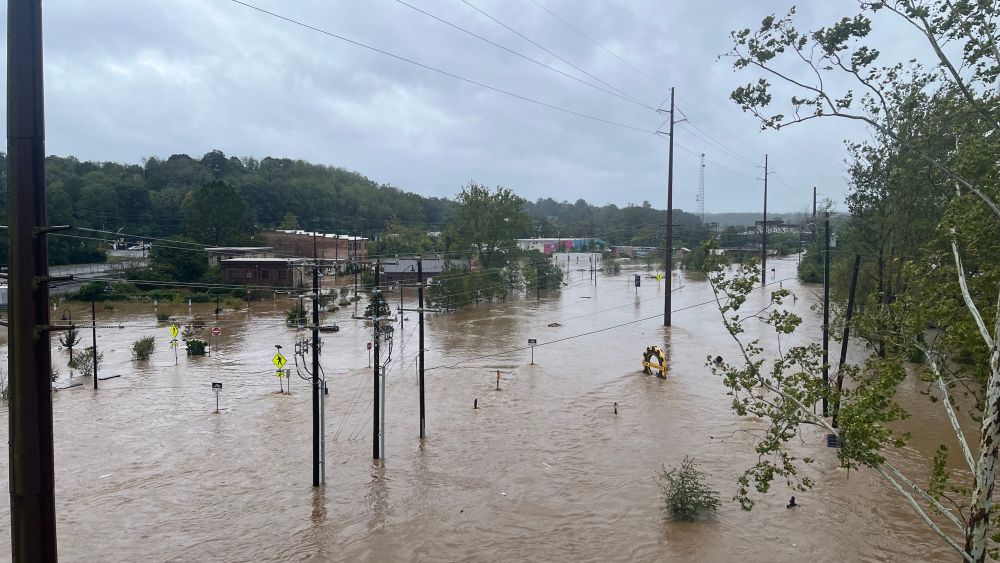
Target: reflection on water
[(542, 470)]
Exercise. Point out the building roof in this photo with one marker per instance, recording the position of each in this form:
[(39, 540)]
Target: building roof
[(318, 234), (219, 249), (237, 261)]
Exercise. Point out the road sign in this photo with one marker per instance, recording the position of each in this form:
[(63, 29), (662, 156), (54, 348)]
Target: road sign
[(638, 280), (659, 277), (216, 331), (174, 330), (280, 373), (216, 385), (369, 345), (279, 360), (532, 341)]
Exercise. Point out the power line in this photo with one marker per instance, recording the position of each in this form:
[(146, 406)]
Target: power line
[(594, 41), (523, 56), (440, 71), (536, 44)]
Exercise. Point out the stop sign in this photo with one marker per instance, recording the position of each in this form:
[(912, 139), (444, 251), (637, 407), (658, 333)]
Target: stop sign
[(216, 331), (369, 345)]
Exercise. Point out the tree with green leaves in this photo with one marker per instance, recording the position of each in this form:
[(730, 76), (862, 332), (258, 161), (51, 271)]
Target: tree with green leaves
[(487, 223), (215, 214), (933, 156)]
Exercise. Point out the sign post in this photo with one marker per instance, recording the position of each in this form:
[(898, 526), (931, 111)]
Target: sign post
[(532, 342), (279, 362), (217, 387), (638, 282), (216, 332), (174, 331), (369, 354)]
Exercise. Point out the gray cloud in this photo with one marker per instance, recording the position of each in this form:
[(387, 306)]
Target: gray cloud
[(127, 80)]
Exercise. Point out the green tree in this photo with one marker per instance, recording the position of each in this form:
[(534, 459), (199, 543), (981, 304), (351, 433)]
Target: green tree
[(488, 222), (216, 215), (178, 259), (935, 127)]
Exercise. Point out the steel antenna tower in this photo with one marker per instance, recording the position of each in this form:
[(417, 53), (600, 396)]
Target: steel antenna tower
[(700, 198)]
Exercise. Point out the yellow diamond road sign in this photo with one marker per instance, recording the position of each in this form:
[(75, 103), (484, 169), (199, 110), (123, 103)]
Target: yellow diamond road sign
[(279, 360), (173, 331)]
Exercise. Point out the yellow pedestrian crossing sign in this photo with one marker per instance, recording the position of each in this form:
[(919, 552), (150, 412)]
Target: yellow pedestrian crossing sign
[(659, 277), (174, 331), (279, 360)]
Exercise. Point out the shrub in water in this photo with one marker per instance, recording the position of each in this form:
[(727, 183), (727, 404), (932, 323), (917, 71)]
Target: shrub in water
[(142, 349), (85, 361), (685, 494), (196, 347)]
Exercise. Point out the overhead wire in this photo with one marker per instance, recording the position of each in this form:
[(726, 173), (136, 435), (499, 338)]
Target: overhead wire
[(440, 71)]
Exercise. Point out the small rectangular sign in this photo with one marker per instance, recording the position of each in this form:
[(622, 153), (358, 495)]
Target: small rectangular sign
[(216, 385), (637, 280), (532, 341)]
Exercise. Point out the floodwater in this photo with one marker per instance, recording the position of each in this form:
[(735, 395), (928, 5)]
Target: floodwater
[(543, 470)]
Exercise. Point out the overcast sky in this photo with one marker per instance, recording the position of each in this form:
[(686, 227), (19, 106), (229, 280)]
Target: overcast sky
[(129, 79)]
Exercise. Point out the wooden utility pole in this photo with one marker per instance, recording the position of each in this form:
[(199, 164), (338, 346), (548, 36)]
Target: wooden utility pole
[(32, 467), (377, 337), (318, 473), (420, 354), (93, 334), (763, 246), (670, 218), (826, 313), (843, 343)]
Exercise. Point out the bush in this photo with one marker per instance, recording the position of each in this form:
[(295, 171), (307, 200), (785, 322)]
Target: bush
[(685, 495), (85, 361), (142, 349), (162, 317), (296, 315), (196, 347), (198, 322), (344, 302)]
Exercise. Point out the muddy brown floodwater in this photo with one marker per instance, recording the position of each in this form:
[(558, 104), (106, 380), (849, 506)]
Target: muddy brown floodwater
[(542, 471)]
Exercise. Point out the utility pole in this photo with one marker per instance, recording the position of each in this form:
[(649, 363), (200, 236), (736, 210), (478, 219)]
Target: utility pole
[(376, 302), (670, 218), (814, 203), (763, 248), (847, 334), (32, 470), (318, 475), (826, 312), (701, 190), (420, 354), (93, 334)]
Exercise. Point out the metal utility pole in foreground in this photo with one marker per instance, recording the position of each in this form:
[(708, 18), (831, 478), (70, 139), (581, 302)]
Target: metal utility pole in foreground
[(826, 313), (814, 202), (763, 248), (32, 472), (670, 218), (420, 354)]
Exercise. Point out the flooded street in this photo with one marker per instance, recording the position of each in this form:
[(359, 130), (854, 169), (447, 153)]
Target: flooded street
[(543, 470)]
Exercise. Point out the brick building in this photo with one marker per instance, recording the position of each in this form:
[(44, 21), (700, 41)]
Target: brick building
[(331, 248), (276, 272)]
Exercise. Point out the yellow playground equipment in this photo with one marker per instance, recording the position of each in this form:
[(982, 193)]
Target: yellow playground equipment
[(654, 359)]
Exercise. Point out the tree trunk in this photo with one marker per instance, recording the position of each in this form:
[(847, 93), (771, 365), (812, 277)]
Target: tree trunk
[(986, 467)]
